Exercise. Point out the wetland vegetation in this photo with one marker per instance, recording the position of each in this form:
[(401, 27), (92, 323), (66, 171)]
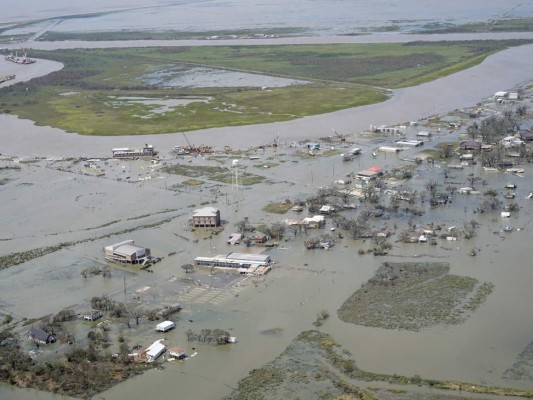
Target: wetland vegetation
[(107, 92), (315, 366), (413, 296)]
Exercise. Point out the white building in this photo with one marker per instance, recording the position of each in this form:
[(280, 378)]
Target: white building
[(153, 352)]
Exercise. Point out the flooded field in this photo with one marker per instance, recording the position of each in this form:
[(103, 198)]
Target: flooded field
[(210, 77)]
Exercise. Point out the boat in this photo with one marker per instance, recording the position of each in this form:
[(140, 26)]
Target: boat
[(20, 60), (231, 339), (508, 229)]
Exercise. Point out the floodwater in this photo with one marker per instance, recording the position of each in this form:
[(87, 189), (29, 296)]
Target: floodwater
[(42, 206), (316, 17), (212, 77), (301, 284)]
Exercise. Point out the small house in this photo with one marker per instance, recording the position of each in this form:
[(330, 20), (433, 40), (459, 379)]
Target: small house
[(177, 352), (153, 352), (165, 326), (92, 315), (260, 238), (314, 222), (465, 190), (439, 199), (207, 217), (470, 145), (40, 336), (235, 238), (511, 141), (326, 209)]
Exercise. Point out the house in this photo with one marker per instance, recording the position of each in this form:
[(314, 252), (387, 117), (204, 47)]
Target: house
[(92, 315), (466, 157), (470, 145), (154, 351), (511, 141), (423, 134), (369, 174), (465, 190), (326, 209), (314, 222), (177, 352), (291, 222), (260, 238), (206, 217), (390, 149), (165, 326), (235, 238), (385, 129), (40, 336), (439, 199), (127, 252)]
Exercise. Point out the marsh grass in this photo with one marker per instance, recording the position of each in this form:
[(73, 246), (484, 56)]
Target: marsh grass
[(339, 76)]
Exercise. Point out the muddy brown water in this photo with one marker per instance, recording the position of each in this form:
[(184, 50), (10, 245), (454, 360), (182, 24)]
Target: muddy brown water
[(42, 206), (301, 284)]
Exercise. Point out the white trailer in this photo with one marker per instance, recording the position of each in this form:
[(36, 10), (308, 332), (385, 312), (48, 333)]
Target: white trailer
[(165, 326)]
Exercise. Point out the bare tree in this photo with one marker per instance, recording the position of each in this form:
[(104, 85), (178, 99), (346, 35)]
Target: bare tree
[(521, 110), (276, 230), (137, 314), (187, 268), (431, 187)]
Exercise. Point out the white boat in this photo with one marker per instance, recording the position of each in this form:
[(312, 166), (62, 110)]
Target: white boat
[(231, 339)]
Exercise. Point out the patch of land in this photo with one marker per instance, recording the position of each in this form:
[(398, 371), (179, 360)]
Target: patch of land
[(338, 76), (413, 296), (522, 369), (314, 366)]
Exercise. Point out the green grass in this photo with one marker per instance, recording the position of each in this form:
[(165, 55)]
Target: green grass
[(278, 208), (501, 25), (339, 76), (167, 35)]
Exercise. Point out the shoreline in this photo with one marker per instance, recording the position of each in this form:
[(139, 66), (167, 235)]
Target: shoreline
[(339, 39)]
